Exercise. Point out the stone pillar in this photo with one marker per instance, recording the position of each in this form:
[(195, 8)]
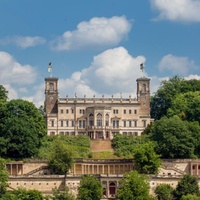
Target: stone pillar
[(107, 189)]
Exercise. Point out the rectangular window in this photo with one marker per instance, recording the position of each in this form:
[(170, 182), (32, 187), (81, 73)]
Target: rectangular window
[(144, 123), (67, 123), (135, 111), (61, 110), (117, 123), (114, 123), (81, 111), (72, 111), (130, 124), (61, 123), (67, 111), (52, 123), (124, 123), (124, 111), (115, 111), (83, 123), (72, 123), (135, 123), (129, 111), (79, 123)]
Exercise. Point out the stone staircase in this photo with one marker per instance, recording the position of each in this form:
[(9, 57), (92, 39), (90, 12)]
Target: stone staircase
[(100, 145), (36, 170)]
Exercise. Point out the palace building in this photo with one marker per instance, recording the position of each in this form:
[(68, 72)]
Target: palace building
[(99, 118)]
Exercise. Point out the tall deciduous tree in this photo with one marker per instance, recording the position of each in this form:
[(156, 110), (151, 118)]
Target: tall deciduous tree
[(161, 101), (146, 159), (90, 188), (61, 158), (3, 177), (21, 128), (164, 192), (173, 137), (187, 185), (186, 106), (134, 186)]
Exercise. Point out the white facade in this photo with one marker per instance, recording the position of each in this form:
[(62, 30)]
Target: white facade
[(99, 118)]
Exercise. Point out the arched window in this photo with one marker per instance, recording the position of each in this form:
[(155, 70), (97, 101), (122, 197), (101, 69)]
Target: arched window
[(144, 88), (91, 120), (52, 133), (99, 119), (112, 189), (107, 120), (66, 133), (51, 87)]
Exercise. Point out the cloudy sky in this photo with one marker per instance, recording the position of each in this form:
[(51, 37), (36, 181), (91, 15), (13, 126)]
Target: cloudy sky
[(96, 46)]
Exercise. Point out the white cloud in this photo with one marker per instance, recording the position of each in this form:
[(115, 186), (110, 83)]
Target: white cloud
[(13, 72), (12, 93), (15, 77), (178, 10), (177, 65), (192, 76), (110, 73), (98, 32), (23, 42)]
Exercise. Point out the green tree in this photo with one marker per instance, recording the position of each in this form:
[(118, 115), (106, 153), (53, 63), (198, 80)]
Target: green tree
[(23, 194), (164, 192), (79, 144), (161, 101), (194, 128), (3, 93), (146, 159), (186, 106), (190, 197), (3, 177), (173, 138), (62, 195), (187, 185), (134, 186), (90, 188), (21, 123), (61, 158), (124, 146)]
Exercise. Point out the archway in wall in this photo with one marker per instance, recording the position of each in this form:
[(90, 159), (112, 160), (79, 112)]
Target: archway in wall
[(112, 189)]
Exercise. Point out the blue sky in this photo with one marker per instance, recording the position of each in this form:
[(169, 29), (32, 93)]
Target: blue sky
[(96, 46)]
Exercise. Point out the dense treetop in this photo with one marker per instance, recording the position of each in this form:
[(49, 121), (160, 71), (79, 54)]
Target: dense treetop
[(134, 186), (162, 100), (90, 188), (22, 127)]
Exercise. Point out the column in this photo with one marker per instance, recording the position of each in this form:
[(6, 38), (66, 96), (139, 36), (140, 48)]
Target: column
[(92, 169), (82, 170), (108, 168), (74, 168)]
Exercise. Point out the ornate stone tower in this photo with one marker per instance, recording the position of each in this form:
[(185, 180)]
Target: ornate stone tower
[(51, 95), (143, 95)]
